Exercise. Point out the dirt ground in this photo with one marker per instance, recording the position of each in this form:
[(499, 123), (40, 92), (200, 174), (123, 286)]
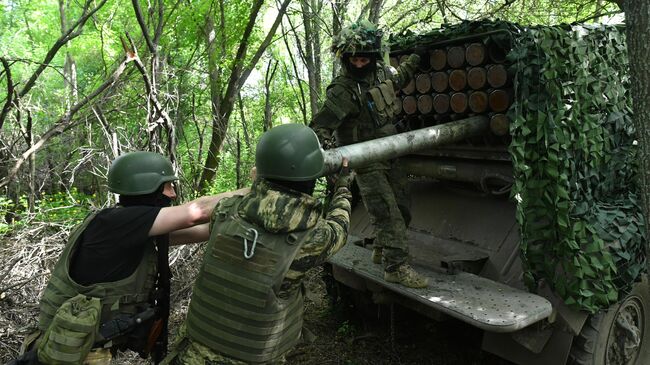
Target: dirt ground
[(342, 333)]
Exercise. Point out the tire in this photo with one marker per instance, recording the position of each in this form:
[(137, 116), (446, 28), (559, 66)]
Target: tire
[(618, 336)]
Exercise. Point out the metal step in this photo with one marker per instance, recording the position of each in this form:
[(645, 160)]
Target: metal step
[(481, 302)]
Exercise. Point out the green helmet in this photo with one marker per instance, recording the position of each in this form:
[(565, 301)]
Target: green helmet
[(360, 37), (139, 173), (289, 152)]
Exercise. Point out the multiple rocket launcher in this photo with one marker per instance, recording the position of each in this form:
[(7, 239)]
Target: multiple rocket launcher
[(457, 82)]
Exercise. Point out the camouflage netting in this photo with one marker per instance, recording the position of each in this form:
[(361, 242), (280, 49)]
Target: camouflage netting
[(573, 152)]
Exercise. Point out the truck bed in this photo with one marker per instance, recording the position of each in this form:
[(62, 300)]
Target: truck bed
[(479, 301)]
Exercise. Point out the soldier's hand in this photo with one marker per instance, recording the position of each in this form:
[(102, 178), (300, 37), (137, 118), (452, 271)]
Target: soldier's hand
[(328, 144), (414, 59), (345, 176)]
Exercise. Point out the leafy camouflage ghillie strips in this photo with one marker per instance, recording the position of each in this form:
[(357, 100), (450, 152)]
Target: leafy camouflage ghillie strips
[(573, 154)]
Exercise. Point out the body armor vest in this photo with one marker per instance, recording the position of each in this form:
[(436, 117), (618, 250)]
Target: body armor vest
[(129, 295), (377, 108), (236, 309)]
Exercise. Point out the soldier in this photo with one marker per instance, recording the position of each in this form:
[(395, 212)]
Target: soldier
[(247, 302), (110, 288), (360, 106)]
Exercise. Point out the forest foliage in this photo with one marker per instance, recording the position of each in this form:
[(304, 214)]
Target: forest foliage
[(81, 82)]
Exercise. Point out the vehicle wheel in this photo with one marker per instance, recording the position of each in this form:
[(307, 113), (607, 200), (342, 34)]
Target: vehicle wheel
[(618, 336)]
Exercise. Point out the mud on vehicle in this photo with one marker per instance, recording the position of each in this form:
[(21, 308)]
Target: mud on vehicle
[(528, 227)]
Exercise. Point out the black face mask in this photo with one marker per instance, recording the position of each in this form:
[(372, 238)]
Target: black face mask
[(155, 199), (363, 72)]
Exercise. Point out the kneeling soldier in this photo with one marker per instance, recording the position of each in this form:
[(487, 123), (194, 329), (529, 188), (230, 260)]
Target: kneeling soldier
[(247, 303), (110, 288)]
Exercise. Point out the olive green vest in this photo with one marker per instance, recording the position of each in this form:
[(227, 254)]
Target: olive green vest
[(375, 116), (235, 308), (129, 295)]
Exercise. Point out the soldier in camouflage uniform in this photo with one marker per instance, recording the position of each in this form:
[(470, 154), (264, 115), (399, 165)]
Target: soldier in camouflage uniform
[(247, 302), (360, 106)]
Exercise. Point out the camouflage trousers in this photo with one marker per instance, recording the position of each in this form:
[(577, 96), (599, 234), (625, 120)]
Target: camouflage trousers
[(384, 191), (185, 351)]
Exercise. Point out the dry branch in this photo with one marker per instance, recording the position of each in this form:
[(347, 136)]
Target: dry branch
[(73, 32), (65, 121), (10, 91)]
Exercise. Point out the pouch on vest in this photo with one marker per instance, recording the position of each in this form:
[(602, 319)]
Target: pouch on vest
[(71, 334), (383, 106)]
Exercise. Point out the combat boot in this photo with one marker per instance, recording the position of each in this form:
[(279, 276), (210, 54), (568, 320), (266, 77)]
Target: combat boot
[(406, 276), (377, 254)]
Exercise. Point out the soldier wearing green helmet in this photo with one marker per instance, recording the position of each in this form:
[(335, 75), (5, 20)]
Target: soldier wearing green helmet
[(109, 287), (247, 301), (361, 105)]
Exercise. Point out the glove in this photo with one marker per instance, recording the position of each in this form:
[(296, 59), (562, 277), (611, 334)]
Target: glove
[(345, 176), (328, 144), (414, 59)]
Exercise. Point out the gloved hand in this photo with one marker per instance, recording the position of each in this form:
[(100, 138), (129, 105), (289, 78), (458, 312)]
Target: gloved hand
[(415, 58), (345, 175), (328, 144)]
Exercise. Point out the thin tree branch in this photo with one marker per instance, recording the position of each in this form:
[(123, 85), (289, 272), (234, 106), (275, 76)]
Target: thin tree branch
[(10, 91), (302, 102), (161, 20), (264, 45), (151, 94), (63, 122), (241, 51), (143, 25), (595, 16), (73, 32)]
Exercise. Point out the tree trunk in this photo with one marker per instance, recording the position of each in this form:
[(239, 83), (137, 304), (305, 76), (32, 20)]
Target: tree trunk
[(637, 18), (223, 105), (238, 164), (374, 11), (271, 67), (310, 10), (339, 8)]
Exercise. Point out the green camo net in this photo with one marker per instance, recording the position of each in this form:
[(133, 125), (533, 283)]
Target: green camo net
[(574, 156)]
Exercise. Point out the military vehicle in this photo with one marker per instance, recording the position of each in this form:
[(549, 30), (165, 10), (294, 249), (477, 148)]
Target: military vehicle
[(521, 155)]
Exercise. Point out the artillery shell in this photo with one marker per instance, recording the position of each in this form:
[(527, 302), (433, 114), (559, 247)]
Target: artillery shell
[(438, 59), (439, 81), (410, 104), (456, 56), (499, 124), (475, 54), (500, 100), (458, 102), (497, 75), (423, 83), (441, 103), (476, 78), (425, 103), (478, 101), (457, 80)]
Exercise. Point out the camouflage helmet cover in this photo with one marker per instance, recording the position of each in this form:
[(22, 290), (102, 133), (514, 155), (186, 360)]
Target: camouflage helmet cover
[(358, 37), (289, 152), (139, 173)]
